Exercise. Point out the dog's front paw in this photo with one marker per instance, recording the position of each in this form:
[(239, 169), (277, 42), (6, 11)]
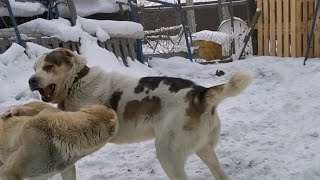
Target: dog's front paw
[(19, 111), (12, 111)]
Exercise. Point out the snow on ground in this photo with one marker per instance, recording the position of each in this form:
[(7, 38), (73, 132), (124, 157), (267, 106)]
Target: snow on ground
[(271, 131)]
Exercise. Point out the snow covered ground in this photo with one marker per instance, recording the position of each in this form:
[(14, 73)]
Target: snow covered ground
[(271, 131)]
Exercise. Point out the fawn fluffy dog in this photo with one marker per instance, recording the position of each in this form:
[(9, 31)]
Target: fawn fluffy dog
[(38, 140)]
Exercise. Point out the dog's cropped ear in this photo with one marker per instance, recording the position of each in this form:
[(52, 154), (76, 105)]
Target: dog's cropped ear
[(69, 53), (60, 56)]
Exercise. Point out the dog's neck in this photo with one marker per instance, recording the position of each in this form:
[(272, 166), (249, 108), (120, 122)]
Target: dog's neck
[(82, 73)]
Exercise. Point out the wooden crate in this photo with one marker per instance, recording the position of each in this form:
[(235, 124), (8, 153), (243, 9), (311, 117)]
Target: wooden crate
[(210, 50), (283, 28)]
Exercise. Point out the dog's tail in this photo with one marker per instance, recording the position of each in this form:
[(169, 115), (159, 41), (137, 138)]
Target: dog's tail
[(235, 85)]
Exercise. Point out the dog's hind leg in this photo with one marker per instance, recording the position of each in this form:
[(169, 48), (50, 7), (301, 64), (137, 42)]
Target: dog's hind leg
[(209, 157), (12, 167), (69, 174), (172, 160)]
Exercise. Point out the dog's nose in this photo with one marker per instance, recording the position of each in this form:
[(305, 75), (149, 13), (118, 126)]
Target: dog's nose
[(33, 82)]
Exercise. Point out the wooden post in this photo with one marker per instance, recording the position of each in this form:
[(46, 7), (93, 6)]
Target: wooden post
[(279, 29), (272, 28), (293, 29), (299, 28), (260, 29), (254, 37), (266, 28)]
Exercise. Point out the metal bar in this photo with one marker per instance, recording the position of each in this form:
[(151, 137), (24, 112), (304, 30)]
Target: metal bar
[(14, 23), (232, 26), (73, 12), (201, 6), (183, 22), (220, 10), (134, 17), (251, 30), (310, 38), (56, 12)]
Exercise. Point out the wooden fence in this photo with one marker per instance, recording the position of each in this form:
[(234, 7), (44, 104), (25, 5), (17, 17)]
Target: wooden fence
[(284, 26), (121, 47)]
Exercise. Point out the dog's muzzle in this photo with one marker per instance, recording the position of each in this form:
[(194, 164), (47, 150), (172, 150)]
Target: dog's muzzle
[(33, 83)]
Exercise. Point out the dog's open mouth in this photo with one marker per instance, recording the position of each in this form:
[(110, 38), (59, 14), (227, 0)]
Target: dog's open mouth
[(47, 92)]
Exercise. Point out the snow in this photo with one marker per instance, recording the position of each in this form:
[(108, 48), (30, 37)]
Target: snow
[(88, 7), (126, 29), (61, 28), (83, 7), (23, 9), (214, 36), (270, 131)]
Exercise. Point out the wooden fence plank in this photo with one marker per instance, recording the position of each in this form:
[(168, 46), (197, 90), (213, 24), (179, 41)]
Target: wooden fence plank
[(54, 42), (266, 27), (66, 45), (260, 28), (298, 18), (293, 29), (272, 28), (34, 40), (132, 51), (304, 25), (45, 42), (279, 29), (109, 45), (73, 46), (3, 45), (102, 44), (124, 46), (116, 47), (317, 37), (310, 15), (286, 15)]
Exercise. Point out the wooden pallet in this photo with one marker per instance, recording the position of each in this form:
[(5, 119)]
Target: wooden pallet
[(283, 28), (121, 47)]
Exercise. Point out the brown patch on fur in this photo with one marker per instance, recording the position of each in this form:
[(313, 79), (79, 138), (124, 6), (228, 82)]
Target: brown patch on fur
[(115, 98), (58, 57), (213, 91), (196, 107), (147, 106)]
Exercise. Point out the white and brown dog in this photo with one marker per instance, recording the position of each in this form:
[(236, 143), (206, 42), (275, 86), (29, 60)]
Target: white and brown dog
[(38, 141), (180, 115)]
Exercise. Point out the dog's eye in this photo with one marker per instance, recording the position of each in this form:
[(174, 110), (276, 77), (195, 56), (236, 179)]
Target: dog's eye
[(47, 67)]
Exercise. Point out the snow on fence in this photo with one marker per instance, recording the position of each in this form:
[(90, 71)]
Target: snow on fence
[(283, 28), (121, 47)]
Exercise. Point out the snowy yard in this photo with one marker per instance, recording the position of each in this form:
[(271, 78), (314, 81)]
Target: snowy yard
[(271, 131)]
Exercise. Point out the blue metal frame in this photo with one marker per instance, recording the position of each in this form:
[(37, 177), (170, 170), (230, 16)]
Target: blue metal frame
[(310, 37), (134, 17), (14, 23)]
